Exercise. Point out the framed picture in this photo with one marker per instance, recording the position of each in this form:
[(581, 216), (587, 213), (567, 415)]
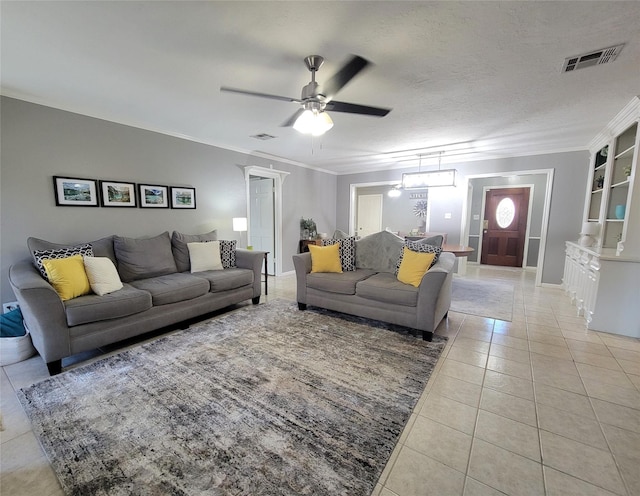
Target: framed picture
[(117, 194), (183, 197), (75, 192), (153, 196)]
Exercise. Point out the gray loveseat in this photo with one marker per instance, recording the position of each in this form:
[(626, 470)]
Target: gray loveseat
[(373, 290), (158, 290)]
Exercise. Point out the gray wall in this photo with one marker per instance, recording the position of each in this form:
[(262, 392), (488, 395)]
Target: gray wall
[(567, 199), (39, 142)]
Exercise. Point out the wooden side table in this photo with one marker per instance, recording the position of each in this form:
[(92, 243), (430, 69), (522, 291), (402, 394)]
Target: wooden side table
[(303, 246), (266, 273)]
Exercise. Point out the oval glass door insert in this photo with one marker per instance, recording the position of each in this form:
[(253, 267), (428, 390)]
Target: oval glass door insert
[(505, 212)]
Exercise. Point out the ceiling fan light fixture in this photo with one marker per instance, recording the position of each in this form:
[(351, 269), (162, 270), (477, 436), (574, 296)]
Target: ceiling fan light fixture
[(313, 122)]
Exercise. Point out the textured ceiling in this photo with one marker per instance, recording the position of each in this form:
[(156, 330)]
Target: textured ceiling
[(475, 79)]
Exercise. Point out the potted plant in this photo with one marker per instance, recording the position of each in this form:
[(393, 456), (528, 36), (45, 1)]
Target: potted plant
[(600, 182), (308, 229), (627, 171)]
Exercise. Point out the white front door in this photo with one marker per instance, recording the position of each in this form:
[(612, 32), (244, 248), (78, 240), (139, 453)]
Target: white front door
[(369, 215), (261, 230)]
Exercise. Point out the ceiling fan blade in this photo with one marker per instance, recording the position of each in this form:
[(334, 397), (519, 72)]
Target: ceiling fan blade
[(343, 76), (292, 120), (352, 108), (258, 94)]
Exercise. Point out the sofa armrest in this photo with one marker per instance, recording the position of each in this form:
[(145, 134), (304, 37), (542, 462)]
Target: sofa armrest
[(43, 311), (434, 292), (254, 260), (302, 265)]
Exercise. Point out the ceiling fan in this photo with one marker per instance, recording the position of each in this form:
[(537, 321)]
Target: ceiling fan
[(311, 117)]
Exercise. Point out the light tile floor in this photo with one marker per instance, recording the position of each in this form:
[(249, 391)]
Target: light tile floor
[(534, 406)]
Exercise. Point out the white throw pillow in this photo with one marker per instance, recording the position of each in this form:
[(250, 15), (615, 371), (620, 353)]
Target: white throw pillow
[(205, 256), (102, 274)]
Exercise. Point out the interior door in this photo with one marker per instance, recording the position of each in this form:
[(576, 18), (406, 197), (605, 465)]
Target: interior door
[(369, 214), (262, 224), (505, 226)]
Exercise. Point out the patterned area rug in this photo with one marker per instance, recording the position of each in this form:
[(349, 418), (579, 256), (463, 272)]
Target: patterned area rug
[(264, 400), (492, 299)]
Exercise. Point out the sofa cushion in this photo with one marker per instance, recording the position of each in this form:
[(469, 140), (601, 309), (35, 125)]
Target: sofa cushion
[(68, 277), (39, 256), (102, 275), (171, 288), (179, 244), (94, 308), (102, 247), (142, 258), (227, 279), (204, 256), (347, 251), (325, 258), (342, 283), (379, 251), (385, 287)]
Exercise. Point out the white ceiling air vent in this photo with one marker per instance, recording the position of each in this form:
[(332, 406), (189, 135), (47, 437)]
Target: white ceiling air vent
[(263, 136), (602, 56)]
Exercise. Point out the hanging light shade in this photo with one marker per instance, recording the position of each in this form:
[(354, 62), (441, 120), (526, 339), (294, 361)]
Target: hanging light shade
[(419, 180), (313, 122)]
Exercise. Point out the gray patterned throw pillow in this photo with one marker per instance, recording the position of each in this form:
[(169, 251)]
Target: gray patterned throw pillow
[(40, 255), (228, 253), (420, 248), (347, 251)]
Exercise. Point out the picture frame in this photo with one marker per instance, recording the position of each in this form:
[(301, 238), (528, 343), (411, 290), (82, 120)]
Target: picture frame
[(75, 192), (118, 194), (153, 196), (182, 198)]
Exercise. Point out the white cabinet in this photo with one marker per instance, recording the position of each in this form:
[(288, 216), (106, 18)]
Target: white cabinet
[(604, 280), (604, 288), (613, 194)]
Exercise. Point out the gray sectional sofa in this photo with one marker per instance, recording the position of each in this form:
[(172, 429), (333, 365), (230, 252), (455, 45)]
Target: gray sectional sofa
[(373, 290), (158, 290)]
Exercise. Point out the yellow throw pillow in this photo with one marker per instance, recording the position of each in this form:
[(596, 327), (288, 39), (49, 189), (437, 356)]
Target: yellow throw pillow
[(414, 265), (325, 258), (67, 276)]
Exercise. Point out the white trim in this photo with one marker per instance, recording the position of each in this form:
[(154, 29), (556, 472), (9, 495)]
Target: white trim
[(278, 176), (551, 285), (617, 125)]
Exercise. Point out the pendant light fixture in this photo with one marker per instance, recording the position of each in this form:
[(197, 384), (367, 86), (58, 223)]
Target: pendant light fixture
[(430, 179)]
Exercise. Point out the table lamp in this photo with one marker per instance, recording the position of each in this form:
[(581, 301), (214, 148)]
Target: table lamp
[(240, 225), (589, 229)]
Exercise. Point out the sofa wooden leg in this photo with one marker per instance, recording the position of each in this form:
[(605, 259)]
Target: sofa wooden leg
[(55, 367), (302, 306), (427, 336), (255, 300)]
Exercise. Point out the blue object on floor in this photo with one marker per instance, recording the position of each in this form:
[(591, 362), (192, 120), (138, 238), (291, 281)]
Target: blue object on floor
[(11, 325)]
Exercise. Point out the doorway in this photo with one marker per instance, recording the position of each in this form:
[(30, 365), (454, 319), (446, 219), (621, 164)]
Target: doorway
[(272, 204), (369, 214), (262, 218), (504, 229)]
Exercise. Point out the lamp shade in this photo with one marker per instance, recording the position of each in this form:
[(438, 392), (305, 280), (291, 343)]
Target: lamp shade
[(420, 180), (313, 122), (239, 224), (590, 228)]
